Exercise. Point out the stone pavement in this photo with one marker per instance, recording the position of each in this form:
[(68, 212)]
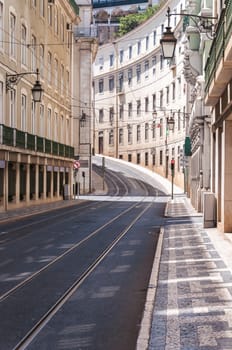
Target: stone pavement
[(189, 301)]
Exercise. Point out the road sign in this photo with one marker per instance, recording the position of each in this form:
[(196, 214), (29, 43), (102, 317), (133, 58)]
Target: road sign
[(76, 164)]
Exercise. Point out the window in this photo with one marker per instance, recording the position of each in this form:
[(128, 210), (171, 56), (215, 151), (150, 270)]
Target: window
[(130, 52), (146, 104), (120, 81), (62, 79), (1, 24), (161, 127), (146, 132), (67, 82), (129, 128), (161, 62), (55, 126), (138, 47), (138, 134), (138, 107), (49, 121), (111, 83), (178, 120), (173, 90), (23, 45), (49, 67), (111, 137), (1, 104), (68, 129), (130, 109), (56, 74), (179, 86), (167, 94), (146, 69), (101, 116), (129, 157), (33, 3), (111, 60), (121, 112), (153, 65), (161, 157), (120, 140), (62, 26), (154, 37), (12, 35), (101, 85), (62, 128), (153, 127), (161, 98), (41, 8), (33, 131), (147, 42), (121, 55), (153, 159), (23, 112), (33, 53), (41, 120), (138, 158), (154, 102), (41, 60), (56, 23), (146, 158), (50, 15), (138, 73), (12, 108), (111, 115), (129, 76)]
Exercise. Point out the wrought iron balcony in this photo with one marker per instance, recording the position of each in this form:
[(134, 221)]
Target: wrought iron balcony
[(16, 138)]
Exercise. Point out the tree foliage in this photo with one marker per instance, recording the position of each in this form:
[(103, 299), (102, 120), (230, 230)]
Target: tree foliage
[(129, 22)]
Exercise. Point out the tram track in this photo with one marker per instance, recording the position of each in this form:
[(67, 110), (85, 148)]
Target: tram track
[(58, 258), (33, 332), (68, 258)]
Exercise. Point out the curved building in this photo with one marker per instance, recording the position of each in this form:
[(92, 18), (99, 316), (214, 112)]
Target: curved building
[(141, 111)]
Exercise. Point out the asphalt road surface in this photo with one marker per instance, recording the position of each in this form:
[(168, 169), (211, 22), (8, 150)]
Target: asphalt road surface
[(77, 277)]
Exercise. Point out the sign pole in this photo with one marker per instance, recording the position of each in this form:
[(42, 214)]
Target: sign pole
[(172, 173)]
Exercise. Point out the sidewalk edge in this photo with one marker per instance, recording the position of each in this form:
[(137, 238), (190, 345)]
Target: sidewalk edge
[(145, 326)]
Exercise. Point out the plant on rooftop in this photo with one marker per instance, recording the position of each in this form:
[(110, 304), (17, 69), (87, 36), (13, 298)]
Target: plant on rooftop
[(129, 22)]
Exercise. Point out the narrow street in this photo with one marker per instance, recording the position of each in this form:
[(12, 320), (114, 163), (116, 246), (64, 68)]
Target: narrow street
[(77, 277)]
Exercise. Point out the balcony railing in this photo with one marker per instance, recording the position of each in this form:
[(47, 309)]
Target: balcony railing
[(217, 50), (86, 32), (20, 139)]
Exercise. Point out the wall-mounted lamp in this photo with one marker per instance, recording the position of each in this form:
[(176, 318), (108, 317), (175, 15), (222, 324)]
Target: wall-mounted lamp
[(13, 79), (82, 119), (168, 40), (154, 113), (170, 123)]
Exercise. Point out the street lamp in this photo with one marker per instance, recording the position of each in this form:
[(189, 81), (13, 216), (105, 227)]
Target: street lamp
[(168, 40), (13, 79), (170, 123)]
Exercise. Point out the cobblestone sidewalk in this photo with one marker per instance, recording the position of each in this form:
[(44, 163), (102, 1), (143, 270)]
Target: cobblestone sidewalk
[(193, 303)]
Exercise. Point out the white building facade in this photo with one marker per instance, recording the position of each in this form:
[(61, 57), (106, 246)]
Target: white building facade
[(138, 94)]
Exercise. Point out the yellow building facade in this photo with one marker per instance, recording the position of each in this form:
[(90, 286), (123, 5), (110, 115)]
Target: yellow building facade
[(36, 140)]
